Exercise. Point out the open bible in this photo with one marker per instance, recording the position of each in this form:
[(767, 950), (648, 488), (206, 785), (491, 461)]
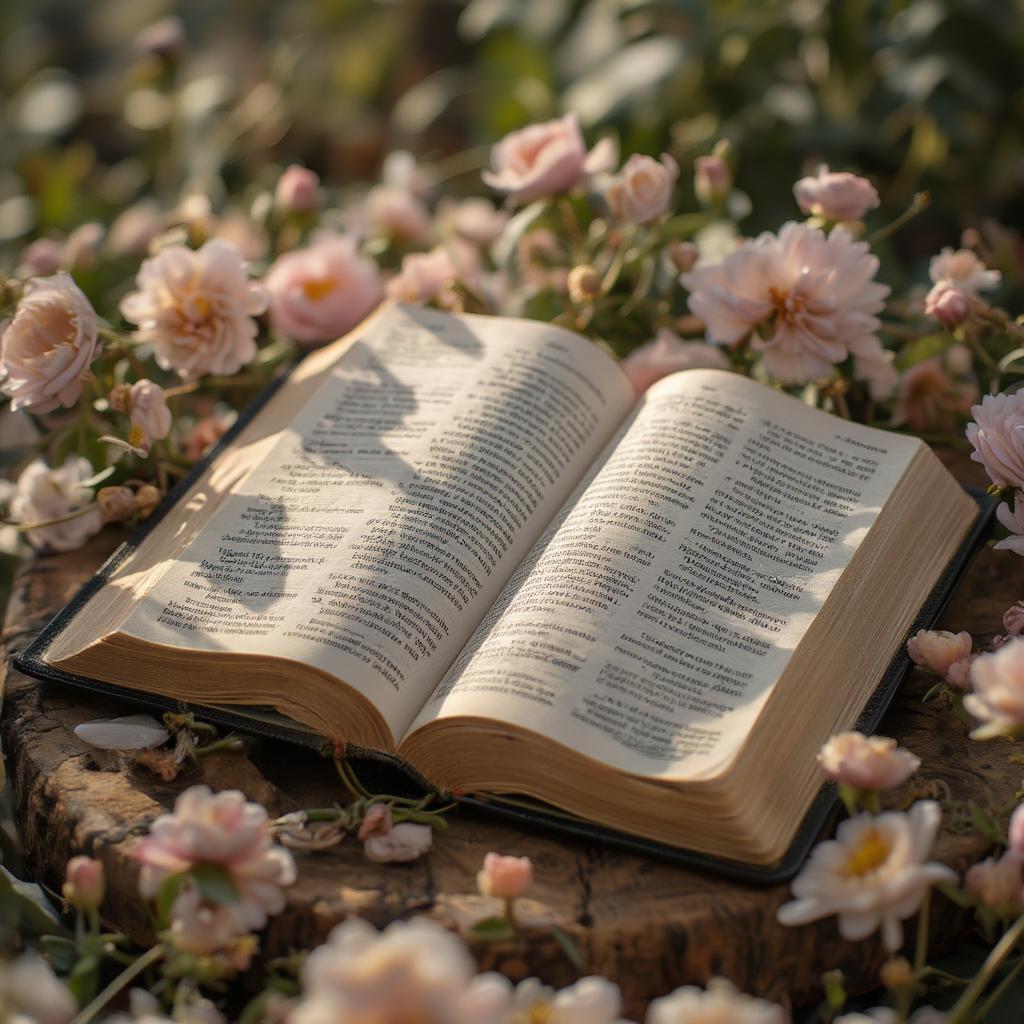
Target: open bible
[(462, 540)]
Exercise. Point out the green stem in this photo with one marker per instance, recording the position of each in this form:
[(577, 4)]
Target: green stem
[(1002, 949), (67, 517), (921, 945), (1000, 990), (920, 202), (121, 981)]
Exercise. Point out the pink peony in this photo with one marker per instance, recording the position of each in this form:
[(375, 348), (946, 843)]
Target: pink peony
[(297, 190), (1014, 522), (226, 831), (998, 697), (668, 353), (320, 293), (149, 412), (866, 762), (398, 213), (928, 397), (997, 434), (49, 345), (43, 493), (963, 269), (544, 160), (402, 842), (947, 304), (941, 652), (196, 309), (835, 195), (83, 883), (806, 300), (642, 191), (425, 275), (506, 878)]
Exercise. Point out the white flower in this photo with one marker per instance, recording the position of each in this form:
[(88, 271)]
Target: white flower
[(47, 348), (720, 1003), (413, 970), (835, 195), (149, 412), (867, 762), (1013, 520), (402, 842), (806, 300), (998, 697), (45, 493), (31, 994), (590, 1000), (886, 1015), (873, 874), (963, 269), (197, 309)]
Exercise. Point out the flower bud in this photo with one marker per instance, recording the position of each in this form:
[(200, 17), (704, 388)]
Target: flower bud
[(947, 304), (147, 497), (164, 38), (84, 883), (41, 258), (684, 256), (584, 283), (896, 973), (297, 190), (507, 878), (712, 178), (120, 398), (117, 504), (1013, 619)]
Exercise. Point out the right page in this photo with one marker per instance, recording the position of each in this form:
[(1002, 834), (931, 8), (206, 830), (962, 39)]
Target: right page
[(651, 621)]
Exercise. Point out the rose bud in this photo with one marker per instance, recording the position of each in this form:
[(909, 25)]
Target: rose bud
[(84, 883), (507, 878), (297, 190), (147, 497), (117, 504)]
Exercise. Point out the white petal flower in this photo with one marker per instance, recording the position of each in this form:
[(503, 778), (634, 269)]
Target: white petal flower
[(867, 762), (963, 269), (719, 1003), (998, 697), (44, 493)]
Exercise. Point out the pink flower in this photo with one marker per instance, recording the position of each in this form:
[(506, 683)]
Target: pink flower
[(544, 160), (84, 883), (929, 397), (203, 928), (43, 493), (475, 219), (82, 245), (963, 269), (666, 354), (998, 697), (835, 195), (1013, 621), (874, 365), (398, 213), (149, 412), (944, 653), (163, 38), (41, 257), (999, 884), (506, 878), (49, 345), (1014, 522), (712, 177), (402, 842), (226, 831), (196, 309), (866, 762), (1016, 830), (320, 293), (806, 300), (642, 191), (424, 275), (206, 433), (719, 1003), (947, 304), (133, 230), (376, 821), (997, 434), (297, 190)]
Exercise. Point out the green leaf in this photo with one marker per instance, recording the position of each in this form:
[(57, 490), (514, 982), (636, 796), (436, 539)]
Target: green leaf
[(492, 928), (30, 905), (569, 948), (61, 952), (215, 883), (166, 895), (84, 979), (504, 249)]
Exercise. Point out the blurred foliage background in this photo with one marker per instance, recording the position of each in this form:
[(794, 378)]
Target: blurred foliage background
[(918, 94)]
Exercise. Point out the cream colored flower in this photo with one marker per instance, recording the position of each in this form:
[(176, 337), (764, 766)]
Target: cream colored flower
[(31, 994), (835, 195), (397, 212), (642, 191), (44, 493), (997, 435), (998, 697), (196, 309), (866, 762), (963, 269), (226, 831), (425, 275), (719, 1003), (149, 412), (1013, 520), (667, 353), (806, 300), (476, 219), (999, 884), (47, 348), (402, 842), (872, 875), (942, 652), (590, 1000)]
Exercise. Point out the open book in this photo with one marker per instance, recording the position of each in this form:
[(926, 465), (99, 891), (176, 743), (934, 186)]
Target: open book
[(462, 540)]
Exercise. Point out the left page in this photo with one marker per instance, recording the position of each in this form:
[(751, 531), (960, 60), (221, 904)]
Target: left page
[(384, 521)]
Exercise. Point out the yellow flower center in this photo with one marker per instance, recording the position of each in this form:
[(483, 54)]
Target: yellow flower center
[(539, 1013), (788, 304), (318, 288), (202, 306), (869, 855)]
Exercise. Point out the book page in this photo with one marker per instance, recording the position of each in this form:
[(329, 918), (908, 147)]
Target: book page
[(386, 519), (650, 623)]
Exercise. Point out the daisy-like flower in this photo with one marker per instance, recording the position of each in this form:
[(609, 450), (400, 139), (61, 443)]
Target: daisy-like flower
[(866, 762), (196, 309), (998, 697), (719, 1003), (222, 830), (806, 300), (872, 875), (590, 1001), (997, 435)]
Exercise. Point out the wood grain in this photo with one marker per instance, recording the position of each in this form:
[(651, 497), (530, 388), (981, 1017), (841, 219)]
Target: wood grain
[(649, 925)]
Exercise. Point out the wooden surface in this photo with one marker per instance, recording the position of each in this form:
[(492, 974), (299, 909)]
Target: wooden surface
[(648, 925)]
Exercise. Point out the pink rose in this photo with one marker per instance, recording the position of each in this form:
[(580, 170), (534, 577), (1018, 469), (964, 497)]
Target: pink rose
[(544, 160), (866, 762), (149, 412), (712, 177), (196, 309), (424, 275), (998, 697), (642, 191), (874, 365), (835, 195), (506, 878), (133, 230), (84, 883), (49, 345), (475, 219), (941, 652), (82, 245), (320, 293), (947, 304), (376, 821), (997, 435), (297, 190), (402, 842), (398, 213), (668, 353)]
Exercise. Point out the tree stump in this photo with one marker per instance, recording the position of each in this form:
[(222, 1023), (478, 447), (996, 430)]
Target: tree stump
[(648, 925)]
